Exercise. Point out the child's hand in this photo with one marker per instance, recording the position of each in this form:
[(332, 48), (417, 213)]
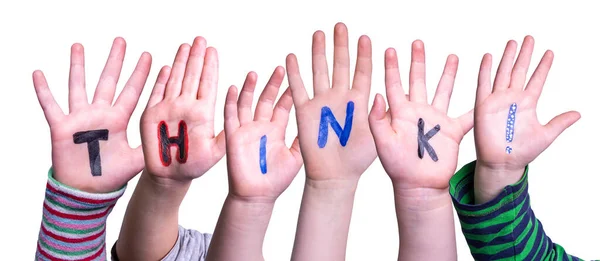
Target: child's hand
[(417, 142), (508, 135), (177, 126), (90, 151), (334, 134), (259, 163)]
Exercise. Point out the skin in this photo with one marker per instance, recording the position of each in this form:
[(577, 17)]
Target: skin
[(332, 172), (495, 169), (241, 228), (186, 92), (423, 204), (70, 161)]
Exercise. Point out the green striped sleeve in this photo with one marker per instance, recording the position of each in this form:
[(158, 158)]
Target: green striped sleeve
[(504, 228)]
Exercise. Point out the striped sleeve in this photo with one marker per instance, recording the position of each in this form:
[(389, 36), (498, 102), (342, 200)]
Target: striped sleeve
[(504, 228), (74, 222)]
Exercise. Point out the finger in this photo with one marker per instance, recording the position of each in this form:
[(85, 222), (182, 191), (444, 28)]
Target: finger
[(130, 94), (173, 88), (538, 79), (232, 123), (158, 92), (137, 161), (484, 84), (341, 58), (193, 70), (393, 85), (519, 71), (77, 93), (504, 69), (219, 147), (295, 81), (559, 124), (51, 109), (244, 104), (264, 107), (295, 150), (107, 85), (379, 122), (417, 90), (319, 64), (378, 110), (441, 100), (364, 67), (466, 121), (209, 80), (281, 112)]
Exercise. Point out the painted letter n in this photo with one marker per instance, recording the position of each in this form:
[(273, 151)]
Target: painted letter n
[(327, 118)]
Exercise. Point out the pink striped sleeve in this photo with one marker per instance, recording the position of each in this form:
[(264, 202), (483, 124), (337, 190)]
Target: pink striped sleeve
[(74, 223)]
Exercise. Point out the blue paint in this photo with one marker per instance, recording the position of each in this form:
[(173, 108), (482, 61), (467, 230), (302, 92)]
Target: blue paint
[(510, 126), (328, 118), (262, 151)]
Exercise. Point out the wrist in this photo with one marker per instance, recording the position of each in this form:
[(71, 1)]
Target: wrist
[(421, 199), (328, 195), (426, 216), (251, 203), (166, 192), (165, 185), (69, 190), (332, 185), (490, 180), (248, 214)]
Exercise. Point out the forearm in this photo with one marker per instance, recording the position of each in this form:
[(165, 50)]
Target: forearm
[(504, 227), (74, 223), (241, 229), (324, 220), (425, 224), (150, 226)]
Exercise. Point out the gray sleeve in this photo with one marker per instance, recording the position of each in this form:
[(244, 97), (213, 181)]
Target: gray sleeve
[(190, 245)]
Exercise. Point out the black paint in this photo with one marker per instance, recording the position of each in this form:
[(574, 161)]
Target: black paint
[(92, 138), (423, 139)]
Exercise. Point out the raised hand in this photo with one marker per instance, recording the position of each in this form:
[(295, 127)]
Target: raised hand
[(259, 163), (178, 124), (260, 168), (334, 135), (508, 135), (336, 144), (90, 151), (418, 143)]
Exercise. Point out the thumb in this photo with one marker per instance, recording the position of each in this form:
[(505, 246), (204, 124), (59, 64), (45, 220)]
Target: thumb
[(295, 150), (560, 123), (219, 146), (378, 109), (379, 119), (137, 161)]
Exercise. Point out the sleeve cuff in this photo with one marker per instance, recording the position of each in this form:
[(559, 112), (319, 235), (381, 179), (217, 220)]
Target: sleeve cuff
[(463, 197), (74, 222), (83, 200)]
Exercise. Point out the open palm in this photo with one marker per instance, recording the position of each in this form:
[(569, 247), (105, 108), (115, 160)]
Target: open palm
[(90, 151), (259, 163), (332, 158), (183, 102), (512, 140), (396, 131)]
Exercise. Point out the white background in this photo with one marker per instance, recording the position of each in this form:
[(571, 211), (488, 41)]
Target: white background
[(256, 35)]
